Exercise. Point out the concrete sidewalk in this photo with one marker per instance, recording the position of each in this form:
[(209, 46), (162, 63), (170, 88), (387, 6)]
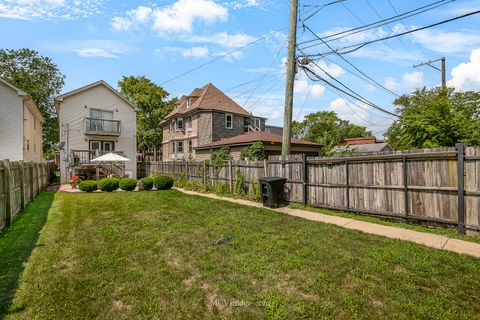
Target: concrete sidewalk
[(428, 239)]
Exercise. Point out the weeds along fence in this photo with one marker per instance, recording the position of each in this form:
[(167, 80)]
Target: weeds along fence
[(20, 182), (433, 185)]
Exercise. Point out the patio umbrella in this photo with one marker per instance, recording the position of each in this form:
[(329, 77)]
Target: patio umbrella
[(110, 157)]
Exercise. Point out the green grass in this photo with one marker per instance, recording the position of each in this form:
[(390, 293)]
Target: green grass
[(449, 231), (155, 255)]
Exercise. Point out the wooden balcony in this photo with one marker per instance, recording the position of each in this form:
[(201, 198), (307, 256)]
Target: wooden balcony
[(102, 127)]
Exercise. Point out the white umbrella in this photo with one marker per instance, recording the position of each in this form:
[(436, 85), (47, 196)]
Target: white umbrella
[(110, 157)]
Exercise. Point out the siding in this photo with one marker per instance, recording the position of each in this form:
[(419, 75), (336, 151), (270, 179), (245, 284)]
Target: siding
[(219, 130), (74, 109), (32, 131), (11, 124)]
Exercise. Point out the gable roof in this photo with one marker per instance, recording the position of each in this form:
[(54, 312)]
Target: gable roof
[(252, 137), (11, 86), (208, 97), (364, 148), (93, 85)]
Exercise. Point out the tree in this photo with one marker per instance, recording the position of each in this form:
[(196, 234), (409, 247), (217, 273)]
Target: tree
[(435, 118), (326, 128), (153, 104), (42, 80)]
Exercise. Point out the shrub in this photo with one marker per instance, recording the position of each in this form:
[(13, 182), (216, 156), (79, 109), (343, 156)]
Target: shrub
[(254, 190), (88, 185), (163, 182), (146, 184), (128, 184), (108, 184)]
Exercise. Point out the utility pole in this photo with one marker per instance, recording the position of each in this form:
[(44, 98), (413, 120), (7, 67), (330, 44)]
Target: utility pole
[(442, 70), (291, 68)]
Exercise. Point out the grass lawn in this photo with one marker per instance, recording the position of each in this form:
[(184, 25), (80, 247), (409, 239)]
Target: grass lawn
[(155, 255)]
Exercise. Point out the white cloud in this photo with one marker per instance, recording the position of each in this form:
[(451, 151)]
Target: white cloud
[(176, 18), (448, 42), (49, 9), (223, 39), (195, 52), (410, 81), (95, 48), (347, 111), (466, 76)]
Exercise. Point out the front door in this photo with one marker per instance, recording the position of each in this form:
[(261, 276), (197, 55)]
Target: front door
[(106, 146)]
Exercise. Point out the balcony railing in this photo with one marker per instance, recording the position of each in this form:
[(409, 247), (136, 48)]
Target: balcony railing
[(79, 157), (102, 127)]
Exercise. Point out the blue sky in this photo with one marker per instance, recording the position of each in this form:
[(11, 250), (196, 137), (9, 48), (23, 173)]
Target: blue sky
[(91, 40)]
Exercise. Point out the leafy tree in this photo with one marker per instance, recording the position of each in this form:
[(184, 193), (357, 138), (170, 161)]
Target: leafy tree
[(255, 151), (42, 80), (326, 128), (153, 104), (435, 118)]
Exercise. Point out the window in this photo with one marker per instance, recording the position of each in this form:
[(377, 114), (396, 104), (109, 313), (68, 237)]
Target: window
[(179, 146), (257, 123), (180, 124), (190, 146), (172, 147), (101, 120), (28, 144), (189, 123), (228, 121), (246, 124), (101, 145), (189, 102), (173, 126)]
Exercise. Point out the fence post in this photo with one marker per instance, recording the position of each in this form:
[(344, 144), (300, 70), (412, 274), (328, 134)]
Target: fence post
[(347, 185), (265, 168), (32, 195), (305, 179), (461, 182), (7, 192), (405, 184), (230, 175), (22, 184)]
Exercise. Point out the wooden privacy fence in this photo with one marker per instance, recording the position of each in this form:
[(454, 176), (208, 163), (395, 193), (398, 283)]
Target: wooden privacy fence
[(20, 182), (434, 185)]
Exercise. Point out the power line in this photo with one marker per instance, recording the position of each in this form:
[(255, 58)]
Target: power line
[(361, 45), (222, 56)]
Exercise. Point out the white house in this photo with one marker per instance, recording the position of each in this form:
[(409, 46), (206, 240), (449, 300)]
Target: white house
[(94, 120), (21, 125)]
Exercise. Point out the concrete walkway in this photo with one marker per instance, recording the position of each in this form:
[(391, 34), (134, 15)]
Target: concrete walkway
[(428, 239)]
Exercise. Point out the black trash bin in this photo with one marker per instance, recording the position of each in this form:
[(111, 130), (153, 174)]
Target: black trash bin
[(273, 193)]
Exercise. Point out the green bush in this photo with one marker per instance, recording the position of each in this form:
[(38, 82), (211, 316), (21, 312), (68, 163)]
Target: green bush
[(239, 188), (108, 184), (128, 184), (146, 184), (163, 182), (88, 185), (254, 190), (221, 189)]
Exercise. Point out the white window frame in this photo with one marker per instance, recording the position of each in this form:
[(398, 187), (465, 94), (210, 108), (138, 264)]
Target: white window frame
[(174, 125), (259, 125), (226, 121), (179, 146), (190, 146), (189, 101), (180, 124), (189, 123)]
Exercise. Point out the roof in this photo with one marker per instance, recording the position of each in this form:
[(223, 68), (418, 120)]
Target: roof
[(11, 86), (208, 97), (252, 137), (93, 85), (364, 148)]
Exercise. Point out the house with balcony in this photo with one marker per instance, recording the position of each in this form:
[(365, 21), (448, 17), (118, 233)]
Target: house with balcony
[(94, 120), (21, 124), (204, 116)]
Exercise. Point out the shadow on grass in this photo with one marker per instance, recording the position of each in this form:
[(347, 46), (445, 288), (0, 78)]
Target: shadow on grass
[(17, 243)]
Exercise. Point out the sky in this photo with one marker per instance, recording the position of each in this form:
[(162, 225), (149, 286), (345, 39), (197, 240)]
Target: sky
[(241, 47)]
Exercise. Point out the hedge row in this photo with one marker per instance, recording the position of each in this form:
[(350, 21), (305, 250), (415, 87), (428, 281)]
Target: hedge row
[(127, 184)]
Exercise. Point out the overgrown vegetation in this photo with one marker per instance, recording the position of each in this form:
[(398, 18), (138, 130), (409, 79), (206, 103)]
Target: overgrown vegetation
[(219, 158), (239, 188), (255, 151), (88, 185), (137, 255), (108, 184)]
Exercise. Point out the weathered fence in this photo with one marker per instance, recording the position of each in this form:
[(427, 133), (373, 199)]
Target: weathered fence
[(20, 182), (434, 185)]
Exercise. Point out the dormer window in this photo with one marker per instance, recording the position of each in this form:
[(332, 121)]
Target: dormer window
[(189, 101), (228, 121)]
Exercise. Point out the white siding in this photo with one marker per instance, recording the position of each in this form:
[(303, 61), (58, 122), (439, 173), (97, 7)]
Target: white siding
[(11, 124), (74, 109)]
